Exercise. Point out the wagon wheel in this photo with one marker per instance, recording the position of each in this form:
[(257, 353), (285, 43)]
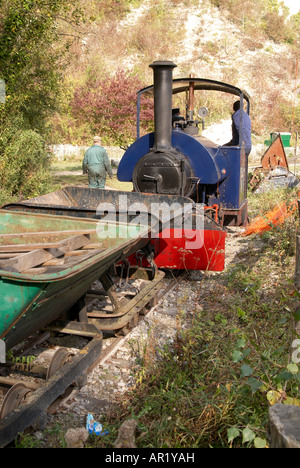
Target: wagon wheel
[(14, 398), (59, 358)]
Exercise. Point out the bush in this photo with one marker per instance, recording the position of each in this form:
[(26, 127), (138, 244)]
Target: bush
[(108, 106), (24, 166)]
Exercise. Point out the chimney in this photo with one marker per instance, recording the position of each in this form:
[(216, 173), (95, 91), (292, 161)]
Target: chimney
[(162, 71)]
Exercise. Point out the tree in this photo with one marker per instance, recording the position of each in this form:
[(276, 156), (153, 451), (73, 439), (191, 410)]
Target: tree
[(33, 50), (109, 106)]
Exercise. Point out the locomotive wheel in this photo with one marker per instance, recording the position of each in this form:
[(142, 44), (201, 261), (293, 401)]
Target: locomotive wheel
[(14, 398), (59, 358)]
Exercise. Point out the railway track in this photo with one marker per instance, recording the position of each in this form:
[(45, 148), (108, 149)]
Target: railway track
[(57, 362)]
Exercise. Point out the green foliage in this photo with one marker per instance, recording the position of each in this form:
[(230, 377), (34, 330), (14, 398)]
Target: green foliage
[(108, 9), (156, 33), (31, 52), (266, 18), (33, 48), (275, 28), (24, 166)]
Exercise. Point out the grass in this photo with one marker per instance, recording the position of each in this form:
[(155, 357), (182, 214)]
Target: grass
[(62, 180), (60, 176), (82, 180)]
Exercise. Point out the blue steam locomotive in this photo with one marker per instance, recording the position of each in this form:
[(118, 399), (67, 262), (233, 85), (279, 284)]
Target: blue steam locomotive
[(177, 160)]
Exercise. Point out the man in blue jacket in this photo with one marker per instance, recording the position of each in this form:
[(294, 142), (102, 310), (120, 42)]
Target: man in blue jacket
[(246, 128), (96, 163)]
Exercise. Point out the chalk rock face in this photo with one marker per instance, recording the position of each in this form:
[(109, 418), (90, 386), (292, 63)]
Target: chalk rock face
[(284, 423)]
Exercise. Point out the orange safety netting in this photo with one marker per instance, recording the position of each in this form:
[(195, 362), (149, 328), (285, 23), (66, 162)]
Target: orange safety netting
[(275, 217)]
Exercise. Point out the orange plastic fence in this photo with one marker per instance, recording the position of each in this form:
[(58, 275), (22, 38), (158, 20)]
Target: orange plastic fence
[(275, 217)]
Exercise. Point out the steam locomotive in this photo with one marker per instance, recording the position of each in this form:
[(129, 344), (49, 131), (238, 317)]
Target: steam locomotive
[(176, 160)]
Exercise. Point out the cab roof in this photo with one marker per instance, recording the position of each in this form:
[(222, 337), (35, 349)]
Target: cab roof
[(180, 85)]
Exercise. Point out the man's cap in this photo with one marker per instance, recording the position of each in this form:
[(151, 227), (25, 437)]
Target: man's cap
[(97, 138)]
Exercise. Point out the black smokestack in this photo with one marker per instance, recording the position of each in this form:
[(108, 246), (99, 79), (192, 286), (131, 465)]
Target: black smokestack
[(162, 71)]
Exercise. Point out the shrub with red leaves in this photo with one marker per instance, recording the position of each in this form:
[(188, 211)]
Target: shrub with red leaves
[(108, 105)]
